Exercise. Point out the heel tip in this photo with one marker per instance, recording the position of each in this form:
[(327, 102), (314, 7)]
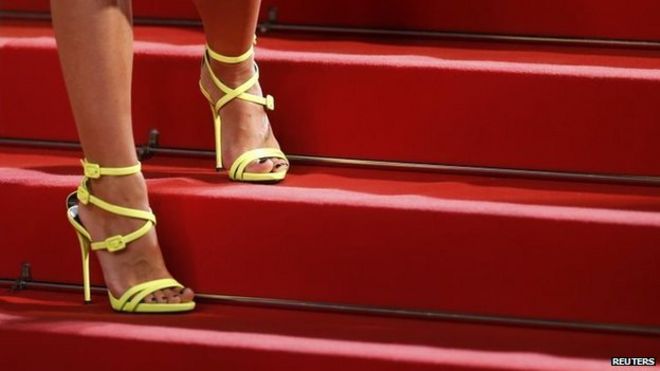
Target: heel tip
[(86, 302), (218, 169)]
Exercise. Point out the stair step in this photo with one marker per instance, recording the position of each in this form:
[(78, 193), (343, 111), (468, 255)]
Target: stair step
[(491, 246), (634, 19), (251, 338), (495, 105)]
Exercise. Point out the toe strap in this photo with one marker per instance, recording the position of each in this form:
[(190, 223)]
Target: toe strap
[(237, 170), (131, 299)]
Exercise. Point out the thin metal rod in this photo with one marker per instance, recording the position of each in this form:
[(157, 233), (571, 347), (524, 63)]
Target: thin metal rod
[(431, 314), (40, 143), (391, 165), (479, 170), (467, 36), (462, 35), (385, 311)]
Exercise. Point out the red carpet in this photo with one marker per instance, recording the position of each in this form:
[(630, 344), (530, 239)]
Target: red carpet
[(498, 105), (69, 335), (509, 247), (618, 19), (473, 244)]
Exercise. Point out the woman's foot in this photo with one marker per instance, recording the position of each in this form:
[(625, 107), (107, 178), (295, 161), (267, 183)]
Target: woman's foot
[(142, 260), (245, 125)]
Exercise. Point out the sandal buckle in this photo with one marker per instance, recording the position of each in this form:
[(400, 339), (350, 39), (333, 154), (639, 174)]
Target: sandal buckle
[(270, 102), (115, 243), (92, 171), (83, 195)]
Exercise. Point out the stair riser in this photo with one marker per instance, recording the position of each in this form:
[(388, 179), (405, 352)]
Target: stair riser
[(563, 18), (475, 262), (634, 20), (558, 118)]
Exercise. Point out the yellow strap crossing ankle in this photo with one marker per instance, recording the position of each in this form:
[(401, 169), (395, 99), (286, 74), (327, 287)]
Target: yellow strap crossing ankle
[(238, 168), (119, 242)]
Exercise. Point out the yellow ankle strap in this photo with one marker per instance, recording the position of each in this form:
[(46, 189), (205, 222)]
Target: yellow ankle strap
[(231, 60), (239, 92), (227, 59), (119, 242), (95, 171)]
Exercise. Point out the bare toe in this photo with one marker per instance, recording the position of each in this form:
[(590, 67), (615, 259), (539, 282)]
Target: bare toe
[(265, 166), (280, 165), (169, 294), (174, 299), (160, 296), (186, 295)]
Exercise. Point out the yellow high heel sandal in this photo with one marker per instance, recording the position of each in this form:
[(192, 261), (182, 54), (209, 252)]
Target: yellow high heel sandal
[(131, 300), (237, 170)]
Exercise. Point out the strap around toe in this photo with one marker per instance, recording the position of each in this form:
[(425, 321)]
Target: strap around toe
[(132, 299), (237, 170)]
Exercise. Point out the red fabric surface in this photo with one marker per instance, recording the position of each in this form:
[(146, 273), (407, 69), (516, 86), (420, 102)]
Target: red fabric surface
[(499, 105), (472, 244), (179, 9), (74, 336), (619, 19), (622, 19)]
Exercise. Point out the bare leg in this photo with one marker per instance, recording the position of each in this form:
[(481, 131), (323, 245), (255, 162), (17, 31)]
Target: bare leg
[(95, 44), (230, 27)]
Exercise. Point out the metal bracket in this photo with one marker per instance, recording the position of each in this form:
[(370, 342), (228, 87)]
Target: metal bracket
[(272, 19), (146, 151), (23, 279)]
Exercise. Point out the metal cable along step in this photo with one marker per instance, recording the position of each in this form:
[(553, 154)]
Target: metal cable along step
[(272, 24), (24, 282), (151, 149)]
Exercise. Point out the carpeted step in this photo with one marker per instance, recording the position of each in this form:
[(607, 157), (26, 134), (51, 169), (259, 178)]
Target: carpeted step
[(492, 246), (612, 19), (64, 332), (496, 105), (634, 20)]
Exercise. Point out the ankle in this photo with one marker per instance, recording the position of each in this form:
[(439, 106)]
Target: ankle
[(128, 191), (233, 74)]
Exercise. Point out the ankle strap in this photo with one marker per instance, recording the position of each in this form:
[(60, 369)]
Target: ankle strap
[(231, 60), (95, 171), (84, 196), (227, 59)]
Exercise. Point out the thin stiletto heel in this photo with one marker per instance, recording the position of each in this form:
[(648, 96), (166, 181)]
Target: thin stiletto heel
[(217, 131), (84, 249)]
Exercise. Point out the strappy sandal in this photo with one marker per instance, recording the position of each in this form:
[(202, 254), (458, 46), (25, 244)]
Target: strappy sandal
[(132, 299), (237, 171)]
